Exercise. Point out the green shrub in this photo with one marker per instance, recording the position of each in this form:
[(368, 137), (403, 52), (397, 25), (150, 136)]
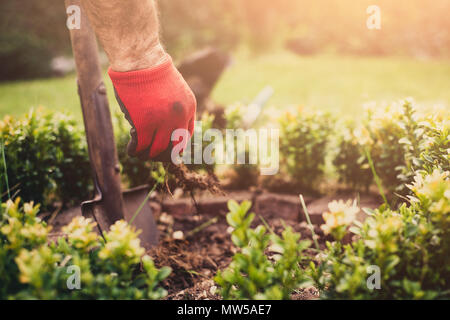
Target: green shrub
[(207, 121), (349, 161), (303, 147), (72, 172), (436, 153), (381, 138), (379, 134), (400, 142), (46, 158), (113, 267), (426, 144), (410, 247), (243, 176), (252, 274), (246, 175), (234, 115)]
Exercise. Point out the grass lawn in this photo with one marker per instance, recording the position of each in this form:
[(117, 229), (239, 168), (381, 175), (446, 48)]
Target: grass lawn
[(337, 84), (60, 94)]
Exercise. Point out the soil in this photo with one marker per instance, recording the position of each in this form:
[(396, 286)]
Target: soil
[(196, 258)]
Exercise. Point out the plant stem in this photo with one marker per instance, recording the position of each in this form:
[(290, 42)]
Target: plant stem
[(266, 225), (144, 202), (202, 226), (376, 177), (5, 168), (309, 222)]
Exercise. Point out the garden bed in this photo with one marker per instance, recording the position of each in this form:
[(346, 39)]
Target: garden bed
[(405, 156), (195, 239)]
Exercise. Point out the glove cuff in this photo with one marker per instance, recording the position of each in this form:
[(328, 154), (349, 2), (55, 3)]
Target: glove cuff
[(143, 77)]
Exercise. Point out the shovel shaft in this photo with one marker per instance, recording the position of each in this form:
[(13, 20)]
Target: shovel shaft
[(97, 120)]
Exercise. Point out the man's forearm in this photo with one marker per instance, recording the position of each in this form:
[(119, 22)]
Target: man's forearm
[(128, 31), (153, 95)]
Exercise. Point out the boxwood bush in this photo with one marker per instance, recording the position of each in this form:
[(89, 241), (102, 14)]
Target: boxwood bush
[(253, 274), (395, 254), (110, 267), (304, 140), (45, 158), (400, 142), (408, 247)]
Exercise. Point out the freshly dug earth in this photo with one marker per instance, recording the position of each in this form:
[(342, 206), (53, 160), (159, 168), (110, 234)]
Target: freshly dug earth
[(195, 239), (197, 256)]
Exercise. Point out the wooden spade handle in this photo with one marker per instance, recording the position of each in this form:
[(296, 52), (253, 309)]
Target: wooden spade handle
[(97, 119)]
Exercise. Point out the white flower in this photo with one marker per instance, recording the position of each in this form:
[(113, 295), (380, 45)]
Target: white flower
[(340, 214)]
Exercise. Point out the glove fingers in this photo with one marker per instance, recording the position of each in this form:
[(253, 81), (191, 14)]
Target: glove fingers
[(132, 144), (160, 143), (143, 153), (161, 149)]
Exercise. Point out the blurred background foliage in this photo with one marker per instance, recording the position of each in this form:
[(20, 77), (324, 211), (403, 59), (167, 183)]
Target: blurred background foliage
[(411, 27), (31, 32)]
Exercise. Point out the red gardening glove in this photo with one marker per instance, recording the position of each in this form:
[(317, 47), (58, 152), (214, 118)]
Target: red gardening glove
[(156, 102)]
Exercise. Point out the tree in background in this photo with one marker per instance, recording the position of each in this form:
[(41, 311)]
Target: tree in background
[(31, 32)]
